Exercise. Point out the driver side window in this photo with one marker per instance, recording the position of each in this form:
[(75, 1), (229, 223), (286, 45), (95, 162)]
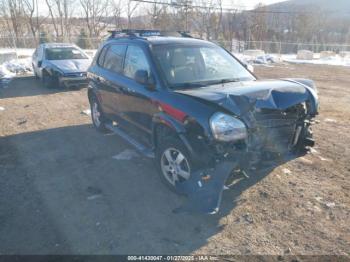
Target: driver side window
[(135, 60)]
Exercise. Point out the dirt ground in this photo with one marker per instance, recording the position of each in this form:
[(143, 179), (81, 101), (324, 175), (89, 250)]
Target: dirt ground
[(61, 191)]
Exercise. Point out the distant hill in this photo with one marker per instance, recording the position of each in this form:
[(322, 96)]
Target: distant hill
[(335, 8)]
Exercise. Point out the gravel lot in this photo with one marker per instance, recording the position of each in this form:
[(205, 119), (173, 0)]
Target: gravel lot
[(62, 192)]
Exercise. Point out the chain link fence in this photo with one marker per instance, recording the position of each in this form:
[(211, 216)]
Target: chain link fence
[(272, 47), (235, 46)]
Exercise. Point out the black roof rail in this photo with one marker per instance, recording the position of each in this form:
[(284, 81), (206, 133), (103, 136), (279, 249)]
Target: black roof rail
[(134, 33), (146, 33)]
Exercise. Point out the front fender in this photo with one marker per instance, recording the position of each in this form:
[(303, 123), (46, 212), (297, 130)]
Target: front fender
[(162, 118), (51, 69), (311, 88)]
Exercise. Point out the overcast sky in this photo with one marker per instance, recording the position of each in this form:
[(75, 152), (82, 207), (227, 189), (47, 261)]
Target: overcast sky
[(240, 4)]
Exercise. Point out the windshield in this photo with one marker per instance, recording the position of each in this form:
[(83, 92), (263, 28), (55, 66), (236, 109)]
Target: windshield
[(64, 53), (191, 66)]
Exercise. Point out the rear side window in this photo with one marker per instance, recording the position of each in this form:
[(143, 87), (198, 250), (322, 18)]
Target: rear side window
[(101, 57), (113, 60), (135, 60)]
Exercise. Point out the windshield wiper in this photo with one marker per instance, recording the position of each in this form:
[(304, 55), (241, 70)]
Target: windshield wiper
[(204, 83), (189, 85), (229, 80)]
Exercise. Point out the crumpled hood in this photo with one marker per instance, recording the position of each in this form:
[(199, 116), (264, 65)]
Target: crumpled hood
[(72, 66), (239, 97)]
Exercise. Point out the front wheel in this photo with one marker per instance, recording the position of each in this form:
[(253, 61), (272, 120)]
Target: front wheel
[(173, 162), (50, 81)]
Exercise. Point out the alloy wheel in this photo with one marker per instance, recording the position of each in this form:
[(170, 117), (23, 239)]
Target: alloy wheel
[(175, 166), (96, 114)]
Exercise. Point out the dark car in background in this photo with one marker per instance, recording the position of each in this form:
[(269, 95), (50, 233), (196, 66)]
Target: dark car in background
[(196, 109), (61, 65)]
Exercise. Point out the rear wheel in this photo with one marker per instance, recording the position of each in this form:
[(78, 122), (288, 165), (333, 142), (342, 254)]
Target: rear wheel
[(98, 119), (173, 162)]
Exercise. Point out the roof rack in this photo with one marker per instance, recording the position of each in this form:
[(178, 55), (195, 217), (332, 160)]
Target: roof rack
[(146, 33)]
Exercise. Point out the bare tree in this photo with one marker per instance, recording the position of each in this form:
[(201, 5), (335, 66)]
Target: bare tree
[(159, 18), (12, 12), (95, 13), (117, 12), (61, 12), (131, 7), (33, 21)]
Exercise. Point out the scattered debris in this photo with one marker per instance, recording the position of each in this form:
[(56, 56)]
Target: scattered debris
[(248, 218), (288, 251), (324, 159), (127, 154), (86, 112), (305, 161), (22, 121), (330, 120), (286, 171), (330, 204), (264, 194), (313, 150), (319, 199), (317, 209)]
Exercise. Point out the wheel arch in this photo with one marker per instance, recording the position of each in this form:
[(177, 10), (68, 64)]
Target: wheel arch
[(169, 126)]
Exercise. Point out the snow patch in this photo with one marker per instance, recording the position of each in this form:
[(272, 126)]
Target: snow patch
[(335, 60), (330, 120), (127, 154), (286, 171), (86, 112)]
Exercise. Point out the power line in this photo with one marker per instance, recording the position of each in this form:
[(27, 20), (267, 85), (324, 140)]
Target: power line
[(176, 4)]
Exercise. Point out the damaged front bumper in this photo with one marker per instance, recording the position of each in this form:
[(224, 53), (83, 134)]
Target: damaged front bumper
[(264, 148), (74, 81), (204, 188)]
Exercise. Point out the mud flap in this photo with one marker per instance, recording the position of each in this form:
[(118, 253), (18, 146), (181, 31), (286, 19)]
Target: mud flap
[(204, 189)]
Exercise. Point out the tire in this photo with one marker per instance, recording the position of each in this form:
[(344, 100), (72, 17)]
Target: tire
[(35, 73), (173, 171), (97, 117), (49, 81)]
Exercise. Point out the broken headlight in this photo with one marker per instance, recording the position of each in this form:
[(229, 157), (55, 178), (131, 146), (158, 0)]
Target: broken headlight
[(227, 128)]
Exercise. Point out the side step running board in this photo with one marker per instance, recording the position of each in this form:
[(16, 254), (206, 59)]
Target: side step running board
[(139, 147)]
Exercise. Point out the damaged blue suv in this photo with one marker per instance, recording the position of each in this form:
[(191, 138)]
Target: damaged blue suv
[(196, 109)]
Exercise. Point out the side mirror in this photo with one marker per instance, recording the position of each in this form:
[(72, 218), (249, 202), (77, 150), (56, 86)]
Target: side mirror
[(40, 63), (249, 67), (142, 77)]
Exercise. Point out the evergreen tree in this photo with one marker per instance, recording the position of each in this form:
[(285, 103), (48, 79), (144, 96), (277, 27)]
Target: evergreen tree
[(83, 41)]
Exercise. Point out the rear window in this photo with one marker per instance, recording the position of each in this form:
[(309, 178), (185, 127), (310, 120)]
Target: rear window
[(101, 57)]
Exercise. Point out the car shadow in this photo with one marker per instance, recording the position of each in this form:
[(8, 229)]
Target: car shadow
[(22, 86), (66, 192)]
